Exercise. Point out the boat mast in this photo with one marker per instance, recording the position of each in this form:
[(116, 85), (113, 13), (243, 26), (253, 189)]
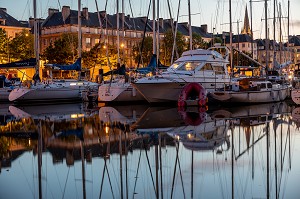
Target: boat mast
[(266, 34), (274, 35), (251, 21), (36, 40), (288, 31), (280, 35), (118, 33), (158, 38), (190, 25), (153, 28), (79, 28), (230, 37)]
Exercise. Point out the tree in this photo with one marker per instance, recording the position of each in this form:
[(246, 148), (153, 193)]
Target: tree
[(198, 42), (99, 54), (63, 50), (4, 41), (22, 46), (147, 51), (167, 46), (214, 41)]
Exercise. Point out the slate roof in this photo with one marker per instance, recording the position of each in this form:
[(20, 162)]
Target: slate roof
[(9, 20), (137, 23), (295, 40), (56, 19), (241, 38)]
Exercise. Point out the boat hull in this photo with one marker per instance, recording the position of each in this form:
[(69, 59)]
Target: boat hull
[(167, 91), (250, 96), (118, 93), (45, 94)]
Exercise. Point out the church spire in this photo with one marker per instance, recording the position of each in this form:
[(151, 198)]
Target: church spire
[(246, 29)]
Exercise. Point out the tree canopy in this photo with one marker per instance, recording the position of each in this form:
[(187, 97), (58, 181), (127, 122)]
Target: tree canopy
[(22, 46), (63, 50)]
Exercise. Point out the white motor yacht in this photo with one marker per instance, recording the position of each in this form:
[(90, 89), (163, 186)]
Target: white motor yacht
[(206, 67)]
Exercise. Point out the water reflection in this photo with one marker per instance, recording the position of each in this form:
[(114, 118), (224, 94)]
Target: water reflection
[(84, 151)]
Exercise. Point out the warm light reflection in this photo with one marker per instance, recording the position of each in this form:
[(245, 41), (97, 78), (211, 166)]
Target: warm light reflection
[(29, 142), (77, 116), (106, 129)]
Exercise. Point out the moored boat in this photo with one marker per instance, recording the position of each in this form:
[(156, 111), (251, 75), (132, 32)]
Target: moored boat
[(206, 67), (251, 90)]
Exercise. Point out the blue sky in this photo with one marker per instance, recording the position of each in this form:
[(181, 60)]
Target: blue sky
[(214, 13)]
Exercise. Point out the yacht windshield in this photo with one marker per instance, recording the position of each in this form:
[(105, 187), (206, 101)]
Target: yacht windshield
[(175, 65), (188, 66)]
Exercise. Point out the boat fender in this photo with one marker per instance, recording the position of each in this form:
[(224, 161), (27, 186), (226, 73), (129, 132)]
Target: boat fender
[(192, 89)]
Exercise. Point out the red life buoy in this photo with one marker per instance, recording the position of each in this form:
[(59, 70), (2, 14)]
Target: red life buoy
[(192, 91)]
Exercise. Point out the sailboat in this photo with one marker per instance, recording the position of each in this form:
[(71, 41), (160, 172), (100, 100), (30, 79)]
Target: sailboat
[(7, 85), (58, 90), (120, 88)]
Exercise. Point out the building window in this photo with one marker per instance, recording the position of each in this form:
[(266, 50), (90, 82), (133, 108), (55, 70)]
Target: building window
[(88, 40), (243, 45), (97, 41)]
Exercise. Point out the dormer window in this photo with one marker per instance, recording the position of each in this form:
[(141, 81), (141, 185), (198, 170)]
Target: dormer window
[(2, 22)]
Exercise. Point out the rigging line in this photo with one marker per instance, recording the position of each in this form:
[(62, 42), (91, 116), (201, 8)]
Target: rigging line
[(148, 162), (23, 172), (134, 26), (145, 28), (175, 167), (160, 161), (64, 191), (180, 172), (137, 170), (58, 180), (111, 188), (102, 180), (175, 34)]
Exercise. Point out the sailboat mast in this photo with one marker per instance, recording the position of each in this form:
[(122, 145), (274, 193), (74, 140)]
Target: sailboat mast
[(36, 41), (280, 34), (190, 25), (274, 35), (288, 31), (230, 37), (251, 21), (153, 27), (118, 33), (79, 28), (266, 34), (158, 38)]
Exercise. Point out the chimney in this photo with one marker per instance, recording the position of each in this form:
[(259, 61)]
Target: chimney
[(65, 12), (161, 22), (3, 9), (51, 11), (102, 13), (31, 22), (204, 28), (85, 13)]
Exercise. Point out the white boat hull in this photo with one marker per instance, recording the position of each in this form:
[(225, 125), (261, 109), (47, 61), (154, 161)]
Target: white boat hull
[(44, 94), (295, 94), (251, 96), (116, 92), (165, 92)]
